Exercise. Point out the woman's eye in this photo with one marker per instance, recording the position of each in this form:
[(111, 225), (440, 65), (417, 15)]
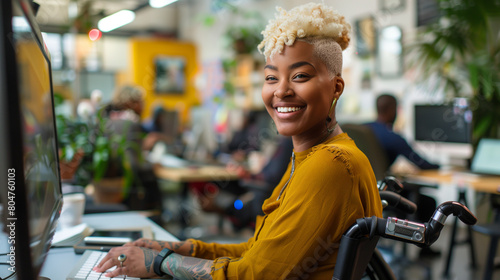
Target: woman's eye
[(270, 78), (300, 76)]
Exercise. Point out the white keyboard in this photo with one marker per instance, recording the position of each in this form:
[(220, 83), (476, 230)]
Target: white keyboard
[(83, 269)]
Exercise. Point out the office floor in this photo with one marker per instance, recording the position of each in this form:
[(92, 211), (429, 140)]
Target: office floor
[(460, 269), (207, 227)]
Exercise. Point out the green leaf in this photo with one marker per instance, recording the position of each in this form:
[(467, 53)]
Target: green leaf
[(474, 76), (482, 126), (100, 163), (209, 20), (69, 153)]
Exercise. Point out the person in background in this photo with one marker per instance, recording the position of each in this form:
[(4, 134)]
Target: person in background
[(328, 183), (154, 123), (245, 206), (395, 145), (244, 140), (124, 118), (160, 128)]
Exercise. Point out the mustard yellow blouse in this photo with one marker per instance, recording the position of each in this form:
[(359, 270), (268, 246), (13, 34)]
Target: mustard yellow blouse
[(332, 186)]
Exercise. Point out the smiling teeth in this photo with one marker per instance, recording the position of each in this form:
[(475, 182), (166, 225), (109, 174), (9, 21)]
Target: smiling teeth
[(287, 109)]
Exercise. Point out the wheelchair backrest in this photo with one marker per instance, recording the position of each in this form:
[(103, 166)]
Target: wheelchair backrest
[(353, 257)]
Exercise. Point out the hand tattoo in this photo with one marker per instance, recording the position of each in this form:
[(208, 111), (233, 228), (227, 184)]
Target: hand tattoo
[(149, 256)]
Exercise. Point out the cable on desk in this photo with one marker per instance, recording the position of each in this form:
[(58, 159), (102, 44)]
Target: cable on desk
[(62, 247)]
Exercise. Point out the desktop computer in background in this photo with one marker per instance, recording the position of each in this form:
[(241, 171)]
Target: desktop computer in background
[(443, 135), (445, 131), (30, 188)]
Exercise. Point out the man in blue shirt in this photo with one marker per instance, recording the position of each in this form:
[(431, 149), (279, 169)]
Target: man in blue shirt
[(392, 142), (395, 145)]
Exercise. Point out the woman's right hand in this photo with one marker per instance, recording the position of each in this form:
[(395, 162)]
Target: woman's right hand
[(184, 248)]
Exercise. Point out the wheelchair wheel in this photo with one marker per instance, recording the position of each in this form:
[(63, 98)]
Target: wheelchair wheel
[(378, 269)]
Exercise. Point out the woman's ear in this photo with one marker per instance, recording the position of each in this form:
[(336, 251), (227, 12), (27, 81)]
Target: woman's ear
[(339, 86)]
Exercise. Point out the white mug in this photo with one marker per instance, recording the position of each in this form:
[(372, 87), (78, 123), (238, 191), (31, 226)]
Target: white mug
[(72, 210)]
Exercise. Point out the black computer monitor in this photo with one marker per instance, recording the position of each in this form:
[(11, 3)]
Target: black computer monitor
[(451, 123), (30, 187)]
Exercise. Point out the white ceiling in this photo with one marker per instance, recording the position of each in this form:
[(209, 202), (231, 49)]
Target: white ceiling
[(54, 15)]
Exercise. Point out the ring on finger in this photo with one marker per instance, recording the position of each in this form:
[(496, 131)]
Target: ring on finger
[(121, 259)]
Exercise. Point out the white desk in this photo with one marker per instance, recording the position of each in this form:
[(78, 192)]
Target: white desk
[(60, 261)]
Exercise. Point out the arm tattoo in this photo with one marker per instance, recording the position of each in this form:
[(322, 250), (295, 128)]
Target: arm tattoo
[(149, 256), (191, 249), (187, 267), (170, 245)]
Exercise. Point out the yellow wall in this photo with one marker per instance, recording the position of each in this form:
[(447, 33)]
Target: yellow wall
[(144, 53)]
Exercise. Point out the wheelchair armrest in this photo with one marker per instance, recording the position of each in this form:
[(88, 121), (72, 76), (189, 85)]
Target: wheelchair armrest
[(398, 202)]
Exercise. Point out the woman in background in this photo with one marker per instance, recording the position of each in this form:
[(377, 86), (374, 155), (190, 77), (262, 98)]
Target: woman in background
[(329, 182), (124, 118)]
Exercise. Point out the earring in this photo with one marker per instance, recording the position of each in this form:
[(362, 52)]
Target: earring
[(328, 118), (330, 130)]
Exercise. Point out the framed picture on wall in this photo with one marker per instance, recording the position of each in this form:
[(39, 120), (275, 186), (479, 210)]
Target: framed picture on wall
[(392, 6), (170, 75), (365, 36), (427, 12)]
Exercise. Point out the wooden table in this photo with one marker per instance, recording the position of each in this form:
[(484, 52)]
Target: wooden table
[(464, 180), (218, 175), (460, 178), (195, 174)]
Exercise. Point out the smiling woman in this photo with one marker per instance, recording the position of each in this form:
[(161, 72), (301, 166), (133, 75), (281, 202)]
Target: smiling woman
[(328, 184), (298, 92)]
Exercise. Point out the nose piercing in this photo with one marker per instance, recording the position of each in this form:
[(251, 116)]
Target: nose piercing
[(286, 92)]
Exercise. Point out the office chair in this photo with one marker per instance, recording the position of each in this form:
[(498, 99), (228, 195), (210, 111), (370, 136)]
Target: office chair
[(368, 143), (493, 230)]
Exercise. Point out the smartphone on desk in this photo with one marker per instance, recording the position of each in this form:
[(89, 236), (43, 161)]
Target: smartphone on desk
[(104, 240)]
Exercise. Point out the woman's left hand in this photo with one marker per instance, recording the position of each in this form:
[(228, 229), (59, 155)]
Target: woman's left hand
[(138, 263)]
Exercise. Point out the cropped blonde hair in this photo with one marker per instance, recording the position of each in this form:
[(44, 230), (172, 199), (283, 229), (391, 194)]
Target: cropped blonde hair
[(316, 24)]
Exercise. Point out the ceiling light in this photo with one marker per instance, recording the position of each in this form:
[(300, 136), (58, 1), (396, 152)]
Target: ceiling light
[(116, 20), (160, 3)]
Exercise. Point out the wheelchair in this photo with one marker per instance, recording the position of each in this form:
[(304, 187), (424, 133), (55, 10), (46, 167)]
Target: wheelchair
[(358, 257)]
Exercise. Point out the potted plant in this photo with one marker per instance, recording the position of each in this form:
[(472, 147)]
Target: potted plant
[(91, 156), (241, 42), (460, 54)]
